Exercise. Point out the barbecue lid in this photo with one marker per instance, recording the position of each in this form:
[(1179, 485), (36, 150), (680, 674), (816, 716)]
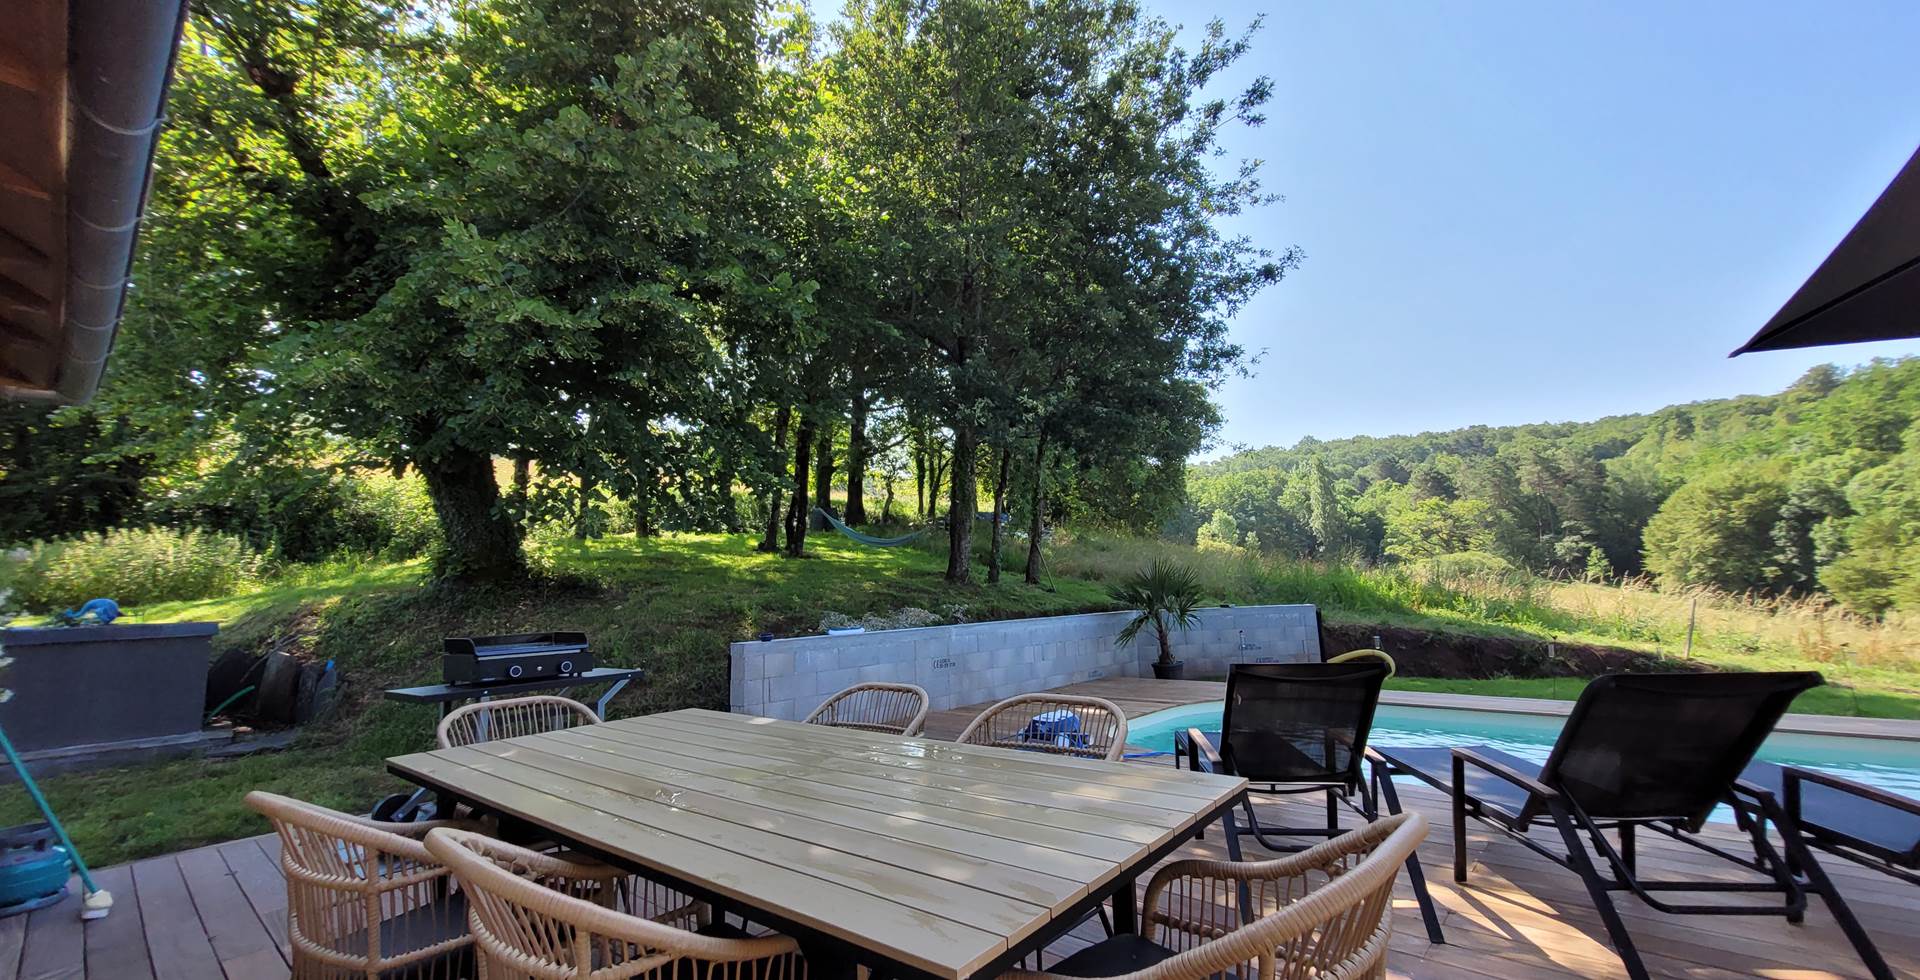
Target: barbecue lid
[(515, 644)]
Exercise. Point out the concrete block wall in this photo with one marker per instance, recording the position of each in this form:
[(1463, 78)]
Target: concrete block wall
[(974, 662)]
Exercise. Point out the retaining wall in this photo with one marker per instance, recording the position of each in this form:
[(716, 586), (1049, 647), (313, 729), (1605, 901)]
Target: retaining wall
[(974, 662)]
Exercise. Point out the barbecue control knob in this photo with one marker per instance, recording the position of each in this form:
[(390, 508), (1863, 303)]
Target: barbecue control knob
[(566, 666), (515, 671)]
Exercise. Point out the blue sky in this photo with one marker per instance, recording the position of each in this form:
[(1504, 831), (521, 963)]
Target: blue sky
[(1517, 212)]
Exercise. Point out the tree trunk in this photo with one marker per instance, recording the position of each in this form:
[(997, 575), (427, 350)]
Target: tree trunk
[(823, 471), (1039, 505), (482, 542), (999, 508), (721, 493), (857, 461), (801, 509), (919, 478), (522, 478), (1166, 646), (583, 514), (938, 461), (770, 541), (960, 505), (729, 507)]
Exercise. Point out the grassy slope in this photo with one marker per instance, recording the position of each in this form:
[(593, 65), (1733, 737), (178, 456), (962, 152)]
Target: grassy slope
[(673, 604)]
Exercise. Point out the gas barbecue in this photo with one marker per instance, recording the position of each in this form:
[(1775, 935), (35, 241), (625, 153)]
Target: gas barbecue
[(469, 660)]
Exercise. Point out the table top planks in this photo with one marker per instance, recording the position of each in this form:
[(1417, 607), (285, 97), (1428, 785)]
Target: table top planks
[(938, 856)]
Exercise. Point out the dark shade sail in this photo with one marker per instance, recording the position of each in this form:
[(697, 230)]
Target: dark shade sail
[(1868, 289)]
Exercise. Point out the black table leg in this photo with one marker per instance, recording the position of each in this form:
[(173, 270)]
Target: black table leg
[(829, 962), (1126, 907)]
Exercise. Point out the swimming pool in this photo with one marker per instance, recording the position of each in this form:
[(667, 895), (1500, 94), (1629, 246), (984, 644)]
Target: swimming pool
[(1890, 764)]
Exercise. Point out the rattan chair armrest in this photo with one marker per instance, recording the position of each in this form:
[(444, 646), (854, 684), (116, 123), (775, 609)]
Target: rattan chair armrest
[(574, 867), (1386, 843), (1224, 956), (1201, 753), (1507, 773), (647, 933), (1319, 857), (1792, 776), (421, 828)]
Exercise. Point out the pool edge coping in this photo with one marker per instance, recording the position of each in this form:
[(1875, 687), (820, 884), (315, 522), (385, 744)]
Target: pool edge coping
[(1890, 729)]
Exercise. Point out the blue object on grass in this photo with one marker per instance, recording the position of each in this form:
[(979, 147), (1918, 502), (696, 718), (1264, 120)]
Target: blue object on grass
[(99, 611)]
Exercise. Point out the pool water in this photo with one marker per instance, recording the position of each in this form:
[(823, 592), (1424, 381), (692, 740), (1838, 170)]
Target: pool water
[(1889, 764)]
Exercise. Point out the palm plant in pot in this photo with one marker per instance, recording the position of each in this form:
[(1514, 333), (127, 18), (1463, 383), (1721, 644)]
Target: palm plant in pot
[(1163, 596)]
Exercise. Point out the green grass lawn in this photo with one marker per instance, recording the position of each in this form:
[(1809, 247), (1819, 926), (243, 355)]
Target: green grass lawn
[(672, 604)]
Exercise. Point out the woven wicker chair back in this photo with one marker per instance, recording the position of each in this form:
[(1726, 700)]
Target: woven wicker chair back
[(524, 929), (1091, 728), (486, 721), (896, 709)]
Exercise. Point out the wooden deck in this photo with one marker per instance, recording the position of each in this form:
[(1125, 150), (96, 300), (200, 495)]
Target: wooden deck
[(220, 912)]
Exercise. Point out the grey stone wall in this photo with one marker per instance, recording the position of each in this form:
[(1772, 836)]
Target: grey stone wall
[(975, 662)]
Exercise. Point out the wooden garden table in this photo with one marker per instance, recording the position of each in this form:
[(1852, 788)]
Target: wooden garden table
[(916, 858)]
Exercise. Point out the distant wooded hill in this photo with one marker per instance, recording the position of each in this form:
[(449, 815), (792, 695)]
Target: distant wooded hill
[(1812, 489)]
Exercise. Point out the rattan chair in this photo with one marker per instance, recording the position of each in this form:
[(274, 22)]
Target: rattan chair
[(896, 709), (484, 721), (345, 873), (522, 928), (1324, 913), (1064, 724)]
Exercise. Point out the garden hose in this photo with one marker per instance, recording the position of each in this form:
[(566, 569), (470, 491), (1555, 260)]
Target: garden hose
[(237, 695), (1392, 668)]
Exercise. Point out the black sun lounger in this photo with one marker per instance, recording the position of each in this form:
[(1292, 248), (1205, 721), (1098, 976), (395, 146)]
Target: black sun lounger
[(1294, 729), (1643, 751), (1861, 823)]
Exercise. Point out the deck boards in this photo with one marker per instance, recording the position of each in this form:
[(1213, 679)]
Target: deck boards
[(1518, 917)]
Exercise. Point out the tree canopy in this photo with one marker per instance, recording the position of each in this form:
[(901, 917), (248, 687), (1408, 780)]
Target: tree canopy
[(1807, 491), (675, 257)]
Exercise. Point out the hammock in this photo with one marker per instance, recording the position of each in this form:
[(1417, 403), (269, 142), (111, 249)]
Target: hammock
[(869, 539)]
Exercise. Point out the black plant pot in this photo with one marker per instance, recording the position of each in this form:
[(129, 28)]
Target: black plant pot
[(1169, 672)]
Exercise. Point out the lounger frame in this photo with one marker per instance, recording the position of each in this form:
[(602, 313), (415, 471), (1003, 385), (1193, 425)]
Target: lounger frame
[(1794, 875), (1904, 865)]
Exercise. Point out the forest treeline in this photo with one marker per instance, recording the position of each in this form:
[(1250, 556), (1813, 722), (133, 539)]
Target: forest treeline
[(684, 265), (1815, 489)]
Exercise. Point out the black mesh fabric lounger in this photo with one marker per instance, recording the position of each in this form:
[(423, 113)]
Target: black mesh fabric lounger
[(1654, 752), (1293, 729), (1850, 819)]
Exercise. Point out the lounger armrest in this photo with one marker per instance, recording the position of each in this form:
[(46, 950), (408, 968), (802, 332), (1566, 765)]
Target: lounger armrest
[(1792, 776), (1202, 756), (1478, 761)]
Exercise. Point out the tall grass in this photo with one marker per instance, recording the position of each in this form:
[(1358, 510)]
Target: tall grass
[(1813, 627), (1755, 631), (1242, 576), (134, 567)]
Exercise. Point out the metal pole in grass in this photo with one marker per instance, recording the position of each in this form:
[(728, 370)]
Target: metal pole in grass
[(1693, 608), (1853, 681)]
